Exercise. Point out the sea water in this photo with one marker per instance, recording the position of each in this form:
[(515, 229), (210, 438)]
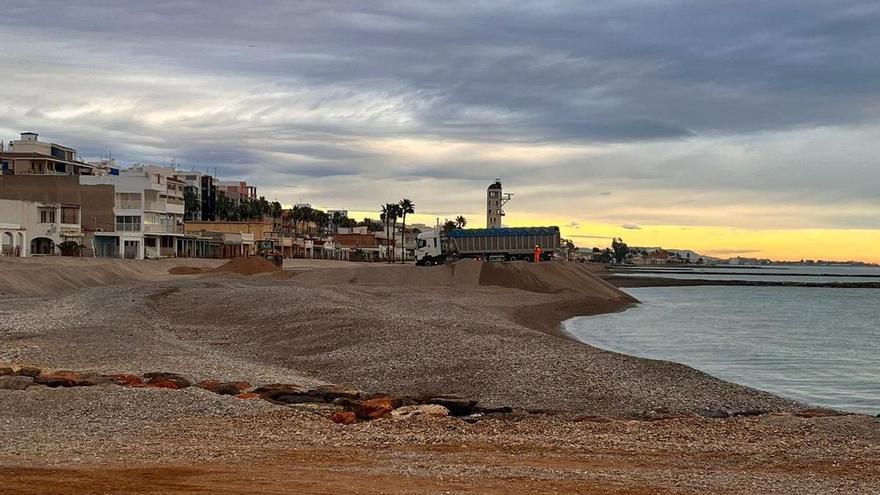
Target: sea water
[(820, 346)]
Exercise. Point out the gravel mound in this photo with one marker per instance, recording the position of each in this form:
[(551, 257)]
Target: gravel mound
[(186, 270), (55, 274), (250, 265), (551, 278)]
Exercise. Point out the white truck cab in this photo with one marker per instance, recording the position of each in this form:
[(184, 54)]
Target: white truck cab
[(429, 248)]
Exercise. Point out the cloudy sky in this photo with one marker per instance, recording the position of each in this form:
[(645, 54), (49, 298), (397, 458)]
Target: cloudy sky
[(732, 127)]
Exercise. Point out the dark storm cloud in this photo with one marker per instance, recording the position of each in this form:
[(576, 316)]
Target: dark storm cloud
[(557, 71), (279, 89)]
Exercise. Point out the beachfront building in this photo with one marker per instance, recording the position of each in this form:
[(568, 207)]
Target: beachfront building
[(31, 228), (236, 190), (148, 210), (200, 195), (93, 206), (30, 156), (359, 247), (235, 238)]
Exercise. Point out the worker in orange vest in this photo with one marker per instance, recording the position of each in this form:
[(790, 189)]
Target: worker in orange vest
[(537, 253)]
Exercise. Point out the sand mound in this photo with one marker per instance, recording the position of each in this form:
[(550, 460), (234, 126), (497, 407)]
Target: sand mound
[(546, 277), (251, 265), (465, 272), (186, 270), (542, 277), (51, 274)]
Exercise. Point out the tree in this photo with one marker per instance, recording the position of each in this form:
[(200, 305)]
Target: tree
[(619, 249), (322, 220), (394, 214), (370, 224), (336, 221), (70, 248), (449, 226), (190, 204), (225, 207), (385, 214), (460, 221), (406, 207)]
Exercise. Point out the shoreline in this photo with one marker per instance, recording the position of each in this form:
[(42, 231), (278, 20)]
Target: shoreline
[(639, 281)]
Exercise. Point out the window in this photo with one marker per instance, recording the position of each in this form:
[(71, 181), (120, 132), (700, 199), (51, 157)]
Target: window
[(128, 201), (128, 223), (69, 214), (47, 215)]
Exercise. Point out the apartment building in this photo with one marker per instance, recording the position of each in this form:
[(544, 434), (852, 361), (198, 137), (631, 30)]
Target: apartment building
[(202, 189), (30, 156), (148, 209), (236, 190)]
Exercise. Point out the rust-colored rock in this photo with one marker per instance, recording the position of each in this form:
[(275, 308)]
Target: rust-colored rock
[(31, 371), (375, 408), (166, 380), (276, 390), (6, 371), (343, 417), (209, 385), (58, 379), (126, 379), (241, 386), (223, 388), (248, 395)]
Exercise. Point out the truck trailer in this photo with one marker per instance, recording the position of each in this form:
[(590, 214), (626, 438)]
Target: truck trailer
[(501, 244)]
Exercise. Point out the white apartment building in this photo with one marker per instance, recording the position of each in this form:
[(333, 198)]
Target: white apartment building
[(149, 212), (29, 228)]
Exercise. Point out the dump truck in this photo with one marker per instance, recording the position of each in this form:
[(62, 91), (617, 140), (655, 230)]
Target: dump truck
[(502, 244)]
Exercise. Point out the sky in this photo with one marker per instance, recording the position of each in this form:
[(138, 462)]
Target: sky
[(729, 127)]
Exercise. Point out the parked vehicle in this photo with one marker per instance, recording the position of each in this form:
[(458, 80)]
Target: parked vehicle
[(502, 244), (268, 250)]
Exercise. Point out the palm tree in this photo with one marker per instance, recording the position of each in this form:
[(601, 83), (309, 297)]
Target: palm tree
[(448, 226), (395, 214), (384, 213), (406, 206), (294, 219), (460, 221)]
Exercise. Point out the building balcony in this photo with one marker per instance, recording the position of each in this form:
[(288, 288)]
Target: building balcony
[(153, 228)]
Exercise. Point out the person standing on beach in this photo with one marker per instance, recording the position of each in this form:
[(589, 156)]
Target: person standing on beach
[(537, 253)]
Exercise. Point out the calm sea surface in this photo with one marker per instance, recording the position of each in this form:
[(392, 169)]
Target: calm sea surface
[(816, 345)]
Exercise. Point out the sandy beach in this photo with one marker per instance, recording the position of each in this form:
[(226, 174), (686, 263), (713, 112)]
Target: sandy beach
[(560, 416)]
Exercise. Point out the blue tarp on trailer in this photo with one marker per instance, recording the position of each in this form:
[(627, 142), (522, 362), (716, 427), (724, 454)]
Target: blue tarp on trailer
[(503, 231)]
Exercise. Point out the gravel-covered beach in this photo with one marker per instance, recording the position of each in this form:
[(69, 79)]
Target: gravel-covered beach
[(582, 419)]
